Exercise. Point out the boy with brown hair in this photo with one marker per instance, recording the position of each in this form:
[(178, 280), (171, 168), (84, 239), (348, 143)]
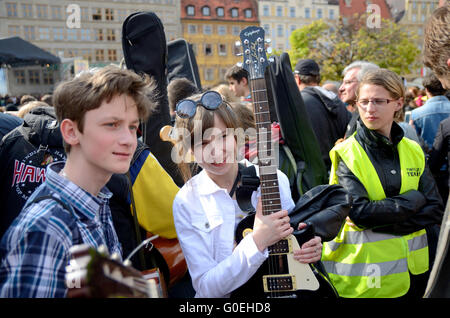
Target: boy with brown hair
[(99, 114), (237, 78)]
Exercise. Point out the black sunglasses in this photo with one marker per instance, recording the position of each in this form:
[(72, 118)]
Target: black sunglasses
[(186, 108)]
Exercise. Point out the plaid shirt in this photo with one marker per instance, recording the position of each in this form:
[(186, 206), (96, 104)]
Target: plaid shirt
[(35, 250)]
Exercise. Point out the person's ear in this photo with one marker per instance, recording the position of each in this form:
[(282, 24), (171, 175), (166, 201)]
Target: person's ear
[(448, 63), (69, 132), (399, 104), (244, 81)]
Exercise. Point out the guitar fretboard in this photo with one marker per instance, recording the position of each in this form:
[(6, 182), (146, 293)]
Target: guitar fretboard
[(270, 194)]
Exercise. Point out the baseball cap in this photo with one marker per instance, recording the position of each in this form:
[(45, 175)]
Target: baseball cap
[(307, 67)]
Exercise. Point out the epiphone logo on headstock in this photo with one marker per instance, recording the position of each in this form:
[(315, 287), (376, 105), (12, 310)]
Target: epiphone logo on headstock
[(252, 32)]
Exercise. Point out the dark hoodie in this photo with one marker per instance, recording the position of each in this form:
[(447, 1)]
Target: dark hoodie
[(25, 153), (328, 116)]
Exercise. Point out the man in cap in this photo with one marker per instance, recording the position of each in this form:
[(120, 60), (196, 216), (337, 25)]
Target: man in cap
[(327, 113)]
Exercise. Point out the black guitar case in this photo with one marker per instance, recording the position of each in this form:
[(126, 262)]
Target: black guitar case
[(182, 63), (300, 157), (145, 52)]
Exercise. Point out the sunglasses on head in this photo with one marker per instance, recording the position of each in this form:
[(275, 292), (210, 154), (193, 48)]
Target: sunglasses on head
[(186, 108)]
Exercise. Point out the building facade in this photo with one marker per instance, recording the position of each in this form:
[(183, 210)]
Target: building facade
[(213, 27), (87, 29), (280, 17)]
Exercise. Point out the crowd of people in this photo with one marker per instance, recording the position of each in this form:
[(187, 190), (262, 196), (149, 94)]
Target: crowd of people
[(383, 143)]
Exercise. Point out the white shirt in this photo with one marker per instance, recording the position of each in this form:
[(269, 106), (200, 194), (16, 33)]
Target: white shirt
[(204, 216)]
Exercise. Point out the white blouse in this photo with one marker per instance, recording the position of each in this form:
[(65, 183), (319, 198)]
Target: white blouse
[(204, 216)]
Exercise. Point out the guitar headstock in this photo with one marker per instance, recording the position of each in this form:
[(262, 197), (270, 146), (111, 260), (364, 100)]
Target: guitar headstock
[(253, 45), (166, 134), (92, 273)]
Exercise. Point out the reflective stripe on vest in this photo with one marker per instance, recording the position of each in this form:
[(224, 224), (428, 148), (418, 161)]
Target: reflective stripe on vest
[(363, 263)]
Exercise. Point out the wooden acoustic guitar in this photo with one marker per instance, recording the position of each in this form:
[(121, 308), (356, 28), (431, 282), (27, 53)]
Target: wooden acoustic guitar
[(92, 273), (280, 275)]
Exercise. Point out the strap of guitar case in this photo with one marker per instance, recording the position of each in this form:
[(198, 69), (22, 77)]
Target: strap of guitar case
[(289, 110)]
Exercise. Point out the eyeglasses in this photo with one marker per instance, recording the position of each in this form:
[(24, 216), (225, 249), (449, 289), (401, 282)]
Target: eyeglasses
[(186, 108), (349, 82), (375, 102)]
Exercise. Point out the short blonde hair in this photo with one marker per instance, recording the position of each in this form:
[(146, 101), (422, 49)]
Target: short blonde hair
[(387, 79), (25, 109)]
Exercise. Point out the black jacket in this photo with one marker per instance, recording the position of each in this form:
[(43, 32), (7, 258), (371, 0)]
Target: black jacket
[(22, 167), (440, 153), (398, 214), (329, 118)]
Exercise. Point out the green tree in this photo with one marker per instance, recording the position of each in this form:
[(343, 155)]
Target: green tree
[(334, 46)]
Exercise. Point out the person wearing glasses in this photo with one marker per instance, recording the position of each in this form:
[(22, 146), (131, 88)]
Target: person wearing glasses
[(386, 245), (205, 209)]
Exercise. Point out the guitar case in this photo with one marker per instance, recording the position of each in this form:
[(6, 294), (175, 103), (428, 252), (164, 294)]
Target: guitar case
[(145, 52), (181, 62), (300, 156)]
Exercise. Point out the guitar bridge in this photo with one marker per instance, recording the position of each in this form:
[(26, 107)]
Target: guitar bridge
[(279, 283)]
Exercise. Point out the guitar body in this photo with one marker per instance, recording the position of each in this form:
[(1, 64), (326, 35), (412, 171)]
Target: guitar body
[(93, 273), (289, 278), (170, 250)]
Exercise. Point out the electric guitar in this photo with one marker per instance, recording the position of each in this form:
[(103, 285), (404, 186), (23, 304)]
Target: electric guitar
[(92, 273), (280, 275)]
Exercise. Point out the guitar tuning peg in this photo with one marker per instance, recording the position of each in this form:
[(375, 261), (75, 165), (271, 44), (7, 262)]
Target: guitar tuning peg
[(269, 50), (239, 54), (239, 64), (127, 263), (268, 41), (102, 249), (115, 256), (238, 44), (271, 59)]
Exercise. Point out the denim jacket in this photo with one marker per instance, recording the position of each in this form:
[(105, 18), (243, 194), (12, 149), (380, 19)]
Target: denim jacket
[(427, 118)]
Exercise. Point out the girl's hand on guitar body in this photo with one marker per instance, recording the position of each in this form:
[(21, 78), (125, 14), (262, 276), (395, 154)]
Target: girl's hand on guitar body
[(311, 251), (269, 229)]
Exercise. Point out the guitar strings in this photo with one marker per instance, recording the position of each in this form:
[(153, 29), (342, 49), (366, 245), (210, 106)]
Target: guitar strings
[(259, 120)]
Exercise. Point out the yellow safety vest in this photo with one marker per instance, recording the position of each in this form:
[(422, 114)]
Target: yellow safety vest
[(363, 263)]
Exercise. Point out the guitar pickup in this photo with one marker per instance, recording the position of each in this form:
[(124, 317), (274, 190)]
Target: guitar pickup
[(281, 247), (279, 283)]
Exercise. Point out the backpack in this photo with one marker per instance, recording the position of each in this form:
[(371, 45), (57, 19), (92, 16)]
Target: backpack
[(25, 153)]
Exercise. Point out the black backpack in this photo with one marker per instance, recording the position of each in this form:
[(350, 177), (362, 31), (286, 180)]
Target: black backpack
[(25, 153)]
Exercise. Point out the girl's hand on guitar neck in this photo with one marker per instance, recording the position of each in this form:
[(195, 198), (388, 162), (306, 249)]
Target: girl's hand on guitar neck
[(311, 251), (269, 229)]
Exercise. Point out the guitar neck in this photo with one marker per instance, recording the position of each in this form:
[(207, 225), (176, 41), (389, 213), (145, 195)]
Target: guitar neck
[(270, 194)]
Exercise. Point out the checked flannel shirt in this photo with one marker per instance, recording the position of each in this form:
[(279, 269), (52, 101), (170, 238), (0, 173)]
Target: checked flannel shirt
[(35, 250)]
